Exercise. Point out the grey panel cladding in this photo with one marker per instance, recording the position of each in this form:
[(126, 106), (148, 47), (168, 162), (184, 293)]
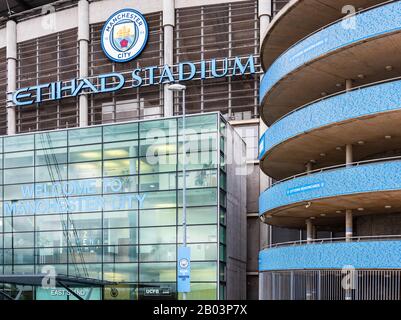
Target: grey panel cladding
[(236, 215)]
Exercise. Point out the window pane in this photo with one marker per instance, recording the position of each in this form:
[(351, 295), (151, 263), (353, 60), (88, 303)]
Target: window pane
[(19, 143), (85, 221), (18, 191), (157, 128), (158, 217), (51, 255), (126, 149), (120, 132), (199, 160), (51, 156), (120, 184), (20, 175), (201, 215), (155, 164), (121, 167), (161, 199), (199, 197), (51, 173), (51, 222), (204, 123), (19, 159), (198, 179), (82, 255), (203, 251), (19, 256), (202, 291), (87, 270), (154, 182), (157, 235), (85, 153), (20, 224), (84, 170), (120, 253), (51, 239), (120, 236), (120, 219), (85, 237), (51, 139), (203, 271), (198, 142), (23, 240), (155, 253), (157, 272), (199, 233), (157, 146), (121, 272), (85, 136)]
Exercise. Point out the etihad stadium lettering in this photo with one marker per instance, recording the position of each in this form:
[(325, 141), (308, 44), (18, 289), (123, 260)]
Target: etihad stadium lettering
[(155, 75)]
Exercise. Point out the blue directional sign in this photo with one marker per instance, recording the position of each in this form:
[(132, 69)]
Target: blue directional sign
[(184, 269)]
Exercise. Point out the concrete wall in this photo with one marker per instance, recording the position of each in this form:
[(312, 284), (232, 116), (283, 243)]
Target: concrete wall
[(236, 237)]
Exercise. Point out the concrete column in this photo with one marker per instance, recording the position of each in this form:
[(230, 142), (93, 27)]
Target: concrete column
[(348, 84), (348, 225), (168, 26), (265, 15), (83, 41), (349, 158), (314, 232), (309, 167), (11, 35), (309, 231)]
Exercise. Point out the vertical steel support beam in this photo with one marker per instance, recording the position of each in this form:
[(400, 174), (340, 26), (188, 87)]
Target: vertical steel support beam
[(11, 31), (168, 28), (83, 41)]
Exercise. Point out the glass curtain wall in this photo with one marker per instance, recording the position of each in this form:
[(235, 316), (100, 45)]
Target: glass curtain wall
[(105, 202)]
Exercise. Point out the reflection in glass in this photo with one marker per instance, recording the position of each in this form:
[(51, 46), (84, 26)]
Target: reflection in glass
[(157, 235), (155, 253), (157, 272), (85, 153), (120, 167), (18, 159), (118, 150)]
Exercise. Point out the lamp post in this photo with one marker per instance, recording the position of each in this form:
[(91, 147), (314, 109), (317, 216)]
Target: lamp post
[(181, 88)]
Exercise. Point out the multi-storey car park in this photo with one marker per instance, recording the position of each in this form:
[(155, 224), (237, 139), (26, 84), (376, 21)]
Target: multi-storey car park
[(60, 42), (330, 96)]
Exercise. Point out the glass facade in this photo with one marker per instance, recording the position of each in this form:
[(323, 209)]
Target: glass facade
[(105, 202)]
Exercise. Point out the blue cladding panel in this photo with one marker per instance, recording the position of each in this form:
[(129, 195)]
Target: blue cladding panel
[(360, 255), (374, 177), (354, 104), (372, 23)]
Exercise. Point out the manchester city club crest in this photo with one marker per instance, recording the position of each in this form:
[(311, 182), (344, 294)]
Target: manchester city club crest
[(124, 35)]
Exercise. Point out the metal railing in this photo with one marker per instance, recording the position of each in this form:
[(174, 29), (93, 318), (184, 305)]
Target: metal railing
[(343, 165), (332, 240), (326, 284)]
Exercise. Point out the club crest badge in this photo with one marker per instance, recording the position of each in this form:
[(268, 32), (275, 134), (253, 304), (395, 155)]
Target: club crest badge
[(124, 35)]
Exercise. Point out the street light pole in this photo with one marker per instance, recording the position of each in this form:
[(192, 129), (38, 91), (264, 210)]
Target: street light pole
[(182, 88)]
